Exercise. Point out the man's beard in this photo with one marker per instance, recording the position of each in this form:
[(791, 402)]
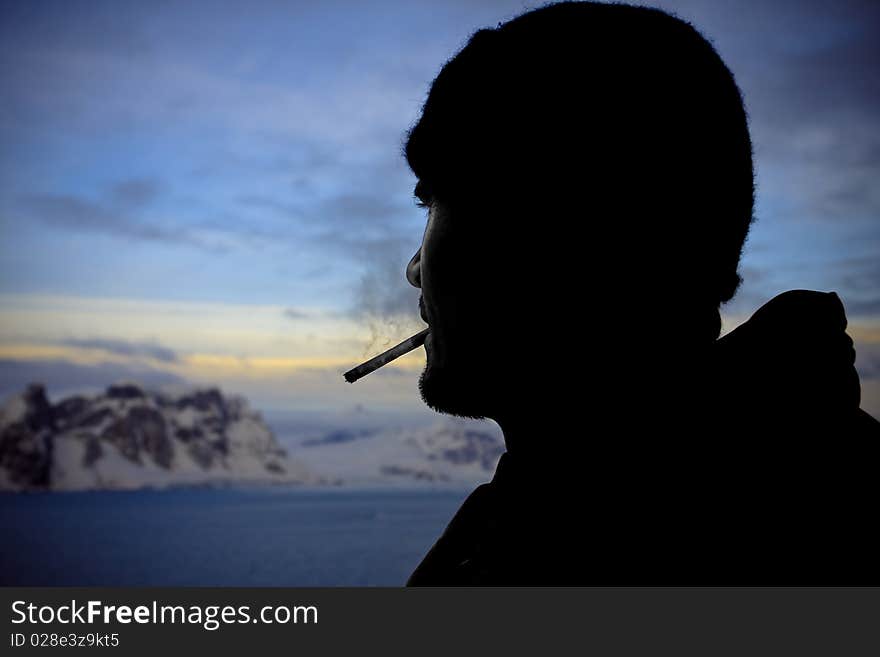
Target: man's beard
[(454, 393)]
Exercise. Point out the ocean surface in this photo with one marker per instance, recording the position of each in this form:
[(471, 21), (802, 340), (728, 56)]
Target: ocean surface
[(220, 537)]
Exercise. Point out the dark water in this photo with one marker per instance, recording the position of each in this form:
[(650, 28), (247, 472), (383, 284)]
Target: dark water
[(270, 537)]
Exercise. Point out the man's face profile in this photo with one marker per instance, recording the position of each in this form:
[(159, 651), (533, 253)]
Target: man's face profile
[(441, 268)]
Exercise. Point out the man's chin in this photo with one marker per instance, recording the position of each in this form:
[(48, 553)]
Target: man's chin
[(444, 392)]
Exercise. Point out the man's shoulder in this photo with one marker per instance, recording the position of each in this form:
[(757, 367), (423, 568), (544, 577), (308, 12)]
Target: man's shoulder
[(452, 559)]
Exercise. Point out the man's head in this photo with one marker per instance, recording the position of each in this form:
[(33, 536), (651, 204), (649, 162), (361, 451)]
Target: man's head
[(588, 169)]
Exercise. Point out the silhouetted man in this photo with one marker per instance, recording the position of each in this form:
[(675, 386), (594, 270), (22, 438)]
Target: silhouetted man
[(588, 174)]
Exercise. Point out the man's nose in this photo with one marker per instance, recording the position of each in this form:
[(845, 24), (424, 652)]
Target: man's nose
[(414, 270)]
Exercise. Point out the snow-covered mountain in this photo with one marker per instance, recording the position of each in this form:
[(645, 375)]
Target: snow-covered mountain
[(450, 452), (129, 437)]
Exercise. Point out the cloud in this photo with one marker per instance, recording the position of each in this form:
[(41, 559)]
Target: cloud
[(60, 376), (126, 348), (859, 277), (81, 214), (135, 192), (352, 209), (814, 99), (296, 313), (863, 307), (868, 363), (268, 202)]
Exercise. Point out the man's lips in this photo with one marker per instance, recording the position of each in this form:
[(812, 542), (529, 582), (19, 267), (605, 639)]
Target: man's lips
[(422, 312)]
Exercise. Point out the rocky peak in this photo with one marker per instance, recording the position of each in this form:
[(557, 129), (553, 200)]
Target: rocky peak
[(130, 436), (26, 426), (125, 391)]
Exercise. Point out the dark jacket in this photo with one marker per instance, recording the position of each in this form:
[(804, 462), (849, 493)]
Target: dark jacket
[(772, 480)]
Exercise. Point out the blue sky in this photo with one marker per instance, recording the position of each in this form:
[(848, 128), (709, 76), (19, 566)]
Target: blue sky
[(214, 191)]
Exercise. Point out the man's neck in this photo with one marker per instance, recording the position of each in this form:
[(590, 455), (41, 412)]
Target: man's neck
[(603, 412)]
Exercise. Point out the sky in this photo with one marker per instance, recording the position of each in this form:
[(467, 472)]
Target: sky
[(213, 192)]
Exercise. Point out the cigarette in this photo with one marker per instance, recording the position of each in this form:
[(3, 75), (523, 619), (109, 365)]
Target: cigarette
[(386, 357)]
